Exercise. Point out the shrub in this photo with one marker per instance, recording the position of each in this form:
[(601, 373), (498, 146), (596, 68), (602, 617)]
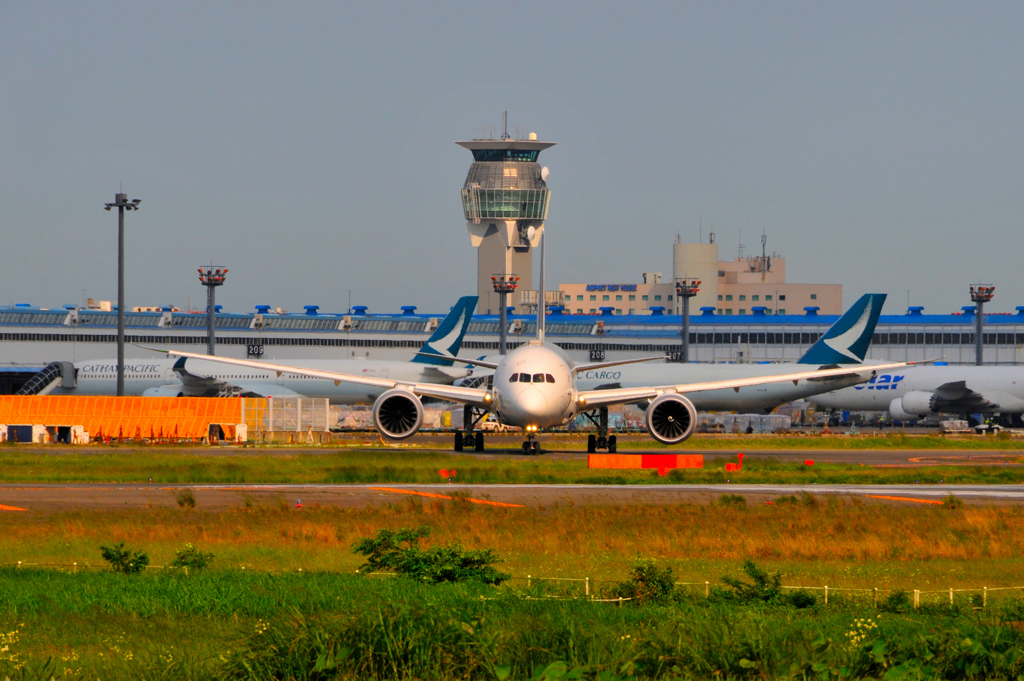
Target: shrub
[(897, 601), (787, 499), (801, 598), (191, 558), (124, 560), (647, 583), (398, 551), (732, 500), (185, 497), (953, 502), (764, 586)]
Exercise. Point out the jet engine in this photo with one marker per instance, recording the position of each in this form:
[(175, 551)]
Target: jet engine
[(913, 405), (671, 419), (164, 391), (397, 414)]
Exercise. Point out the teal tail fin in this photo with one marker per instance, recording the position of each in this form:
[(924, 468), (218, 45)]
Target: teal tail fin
[(447, 338), (848, 340)]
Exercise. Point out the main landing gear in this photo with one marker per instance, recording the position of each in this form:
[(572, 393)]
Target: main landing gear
[(602, 440), (467, 438)]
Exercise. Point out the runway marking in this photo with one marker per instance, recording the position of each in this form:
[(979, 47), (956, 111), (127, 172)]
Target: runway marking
[(11, 508), (919, 501), (442, 496)]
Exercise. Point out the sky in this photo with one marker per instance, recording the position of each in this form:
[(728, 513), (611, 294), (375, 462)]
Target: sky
[(308, 147)]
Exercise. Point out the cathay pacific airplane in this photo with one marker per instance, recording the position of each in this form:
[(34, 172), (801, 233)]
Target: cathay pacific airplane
[(911, 394), (846, 342), (201, 377), (536, 387)]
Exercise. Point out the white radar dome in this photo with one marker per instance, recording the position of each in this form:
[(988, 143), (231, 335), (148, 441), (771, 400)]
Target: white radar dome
[(544, 172)]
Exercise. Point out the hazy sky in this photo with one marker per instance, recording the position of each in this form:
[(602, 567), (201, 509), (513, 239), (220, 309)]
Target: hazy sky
[(308, 147)]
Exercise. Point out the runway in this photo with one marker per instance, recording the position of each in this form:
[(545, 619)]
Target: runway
[(36, 498)]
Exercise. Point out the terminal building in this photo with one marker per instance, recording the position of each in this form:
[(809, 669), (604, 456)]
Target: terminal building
[(32, 337), (745, 286)]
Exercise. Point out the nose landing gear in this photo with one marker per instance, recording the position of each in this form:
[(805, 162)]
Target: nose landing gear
[(531, 446), (602, 440)]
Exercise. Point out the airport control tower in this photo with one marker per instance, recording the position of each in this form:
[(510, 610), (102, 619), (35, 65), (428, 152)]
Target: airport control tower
[(505, 194)]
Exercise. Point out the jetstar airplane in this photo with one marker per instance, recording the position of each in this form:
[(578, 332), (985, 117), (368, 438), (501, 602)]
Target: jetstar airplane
[(535, 387)]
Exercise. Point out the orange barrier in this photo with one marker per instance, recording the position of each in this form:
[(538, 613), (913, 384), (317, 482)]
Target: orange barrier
[(125, 417), (658, 461)]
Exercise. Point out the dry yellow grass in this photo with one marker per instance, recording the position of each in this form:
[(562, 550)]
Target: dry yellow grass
[(855, 543)]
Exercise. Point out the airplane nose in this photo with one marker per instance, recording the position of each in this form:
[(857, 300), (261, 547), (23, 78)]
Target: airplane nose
[(532, 403)]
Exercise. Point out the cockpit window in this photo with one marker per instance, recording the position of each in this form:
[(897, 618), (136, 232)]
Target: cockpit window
[(551, 379), (538, 378), (524, 378), (513, 378)]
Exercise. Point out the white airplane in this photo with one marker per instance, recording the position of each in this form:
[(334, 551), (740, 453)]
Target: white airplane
[(845, 342), (535, 387), (913, 393), (201, 377)]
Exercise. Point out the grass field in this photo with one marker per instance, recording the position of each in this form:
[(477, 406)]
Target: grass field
[(324, 626), (196, 465), (834, 543)]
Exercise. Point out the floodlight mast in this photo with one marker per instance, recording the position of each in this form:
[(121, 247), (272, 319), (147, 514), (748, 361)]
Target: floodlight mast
[(122, 204), (211, 276), (980, 294), (686, 289), (504, 284)]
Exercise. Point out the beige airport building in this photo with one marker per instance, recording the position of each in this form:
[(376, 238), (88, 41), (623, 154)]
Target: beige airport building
[(744, 286)]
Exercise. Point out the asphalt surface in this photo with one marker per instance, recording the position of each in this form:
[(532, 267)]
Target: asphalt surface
[(64, 497)]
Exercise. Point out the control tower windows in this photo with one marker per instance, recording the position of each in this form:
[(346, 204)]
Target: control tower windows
[(498, 155)]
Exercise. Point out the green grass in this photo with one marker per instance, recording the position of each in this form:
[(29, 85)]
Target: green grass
[(168, 465), (227, 625)]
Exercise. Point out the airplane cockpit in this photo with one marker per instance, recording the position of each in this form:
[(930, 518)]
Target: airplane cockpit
[(531, 378)]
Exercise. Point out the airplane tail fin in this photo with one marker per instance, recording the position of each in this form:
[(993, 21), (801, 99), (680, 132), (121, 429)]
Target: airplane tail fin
[(447, 338), (848, 340)]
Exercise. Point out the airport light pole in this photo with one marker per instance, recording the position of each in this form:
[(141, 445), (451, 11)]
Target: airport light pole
[(980, 294), (122, 204), (504, 284), (686, 289), (212, 277)]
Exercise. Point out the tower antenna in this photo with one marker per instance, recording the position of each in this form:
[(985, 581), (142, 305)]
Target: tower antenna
[(505, 134)]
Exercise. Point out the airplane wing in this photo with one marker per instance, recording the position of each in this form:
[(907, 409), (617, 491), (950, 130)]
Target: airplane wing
[(604, 398), (472, 396), (601, 365), (472, 362)]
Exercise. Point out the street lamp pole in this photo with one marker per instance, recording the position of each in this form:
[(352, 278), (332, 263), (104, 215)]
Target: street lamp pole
[(686, 289), (211, 277), (122, 204), (980, 294), (504, 284)]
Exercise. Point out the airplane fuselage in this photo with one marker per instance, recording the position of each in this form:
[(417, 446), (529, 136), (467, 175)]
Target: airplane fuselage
[(534, 385), (992, 390)]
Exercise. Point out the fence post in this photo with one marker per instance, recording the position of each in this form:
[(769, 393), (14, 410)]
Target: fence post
[(587, 585), (76, 567), (620, 601), (876, 596), (984, 596), (826, 594), (529, 581), (951, 597), (917, 598), (19, 564), (707, 589)]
